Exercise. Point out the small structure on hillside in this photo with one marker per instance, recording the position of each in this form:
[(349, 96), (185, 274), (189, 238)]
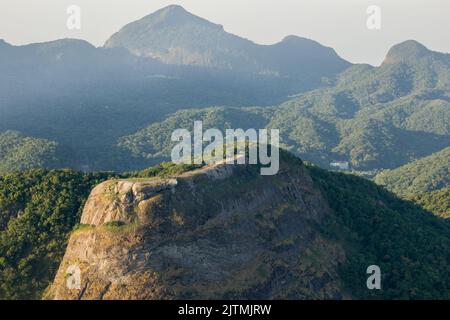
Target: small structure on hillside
[(340, 165)]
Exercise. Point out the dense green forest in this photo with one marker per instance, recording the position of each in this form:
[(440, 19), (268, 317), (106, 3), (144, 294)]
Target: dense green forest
[(411, 246), (18, 152), (437, 201), (427, 174), (39, 209), (154, 142), (86, 98), (375, 118), (67, 103)]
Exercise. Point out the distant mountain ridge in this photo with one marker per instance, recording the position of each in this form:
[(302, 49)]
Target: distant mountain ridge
[(175, 36), (372, 117), (85, 98), (101, 102), (180, 231)]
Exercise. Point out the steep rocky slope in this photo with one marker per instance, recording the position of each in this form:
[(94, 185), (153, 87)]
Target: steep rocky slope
[(167, 232), (217, 232)]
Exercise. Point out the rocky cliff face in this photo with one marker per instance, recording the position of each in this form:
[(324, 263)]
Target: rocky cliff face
[(218, 232)]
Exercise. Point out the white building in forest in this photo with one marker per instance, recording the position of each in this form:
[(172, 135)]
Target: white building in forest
[(340, 165)]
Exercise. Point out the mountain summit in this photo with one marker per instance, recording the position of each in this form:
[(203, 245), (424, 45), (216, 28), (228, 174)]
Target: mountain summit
[(407, 51), (173, 15), (175, 36), (412, 52), (225, 232), (178, 238)]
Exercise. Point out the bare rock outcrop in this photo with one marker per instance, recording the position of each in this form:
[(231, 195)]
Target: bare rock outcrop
[(217, 232)]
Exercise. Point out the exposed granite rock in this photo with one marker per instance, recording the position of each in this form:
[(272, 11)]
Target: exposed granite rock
[(218, 232), (117, 200)]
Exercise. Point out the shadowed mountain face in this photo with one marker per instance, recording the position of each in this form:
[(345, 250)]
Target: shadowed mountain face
[(101, 103), (175, 36), (372, 117), (86, 98)]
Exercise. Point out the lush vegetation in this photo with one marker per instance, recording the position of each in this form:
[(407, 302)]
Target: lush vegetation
[(38, 209), (165, 169), (110, 110), (428, 174), (86, 98), (437, 202), (411, 246), (375, 118), (18, 152), (154, 142), (100, 104)]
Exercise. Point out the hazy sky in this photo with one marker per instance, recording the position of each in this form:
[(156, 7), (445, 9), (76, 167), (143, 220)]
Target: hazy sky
[(340, 24)]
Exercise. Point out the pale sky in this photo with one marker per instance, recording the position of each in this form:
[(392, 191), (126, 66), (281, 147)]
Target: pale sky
[(340, 24)]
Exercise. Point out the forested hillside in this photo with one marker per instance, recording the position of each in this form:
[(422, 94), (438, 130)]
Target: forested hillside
[(18, 152), (407, 242), (99, 104), (86, 98), (74, 117), (154, 144), (427, 174), (39, 209), (437, 201), (375, 118)]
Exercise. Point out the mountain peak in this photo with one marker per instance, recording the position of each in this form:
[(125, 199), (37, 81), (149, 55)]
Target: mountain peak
[(171, 11), (170, 16), (407, 51), (155, 29), (174, 8), (172, 35)]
